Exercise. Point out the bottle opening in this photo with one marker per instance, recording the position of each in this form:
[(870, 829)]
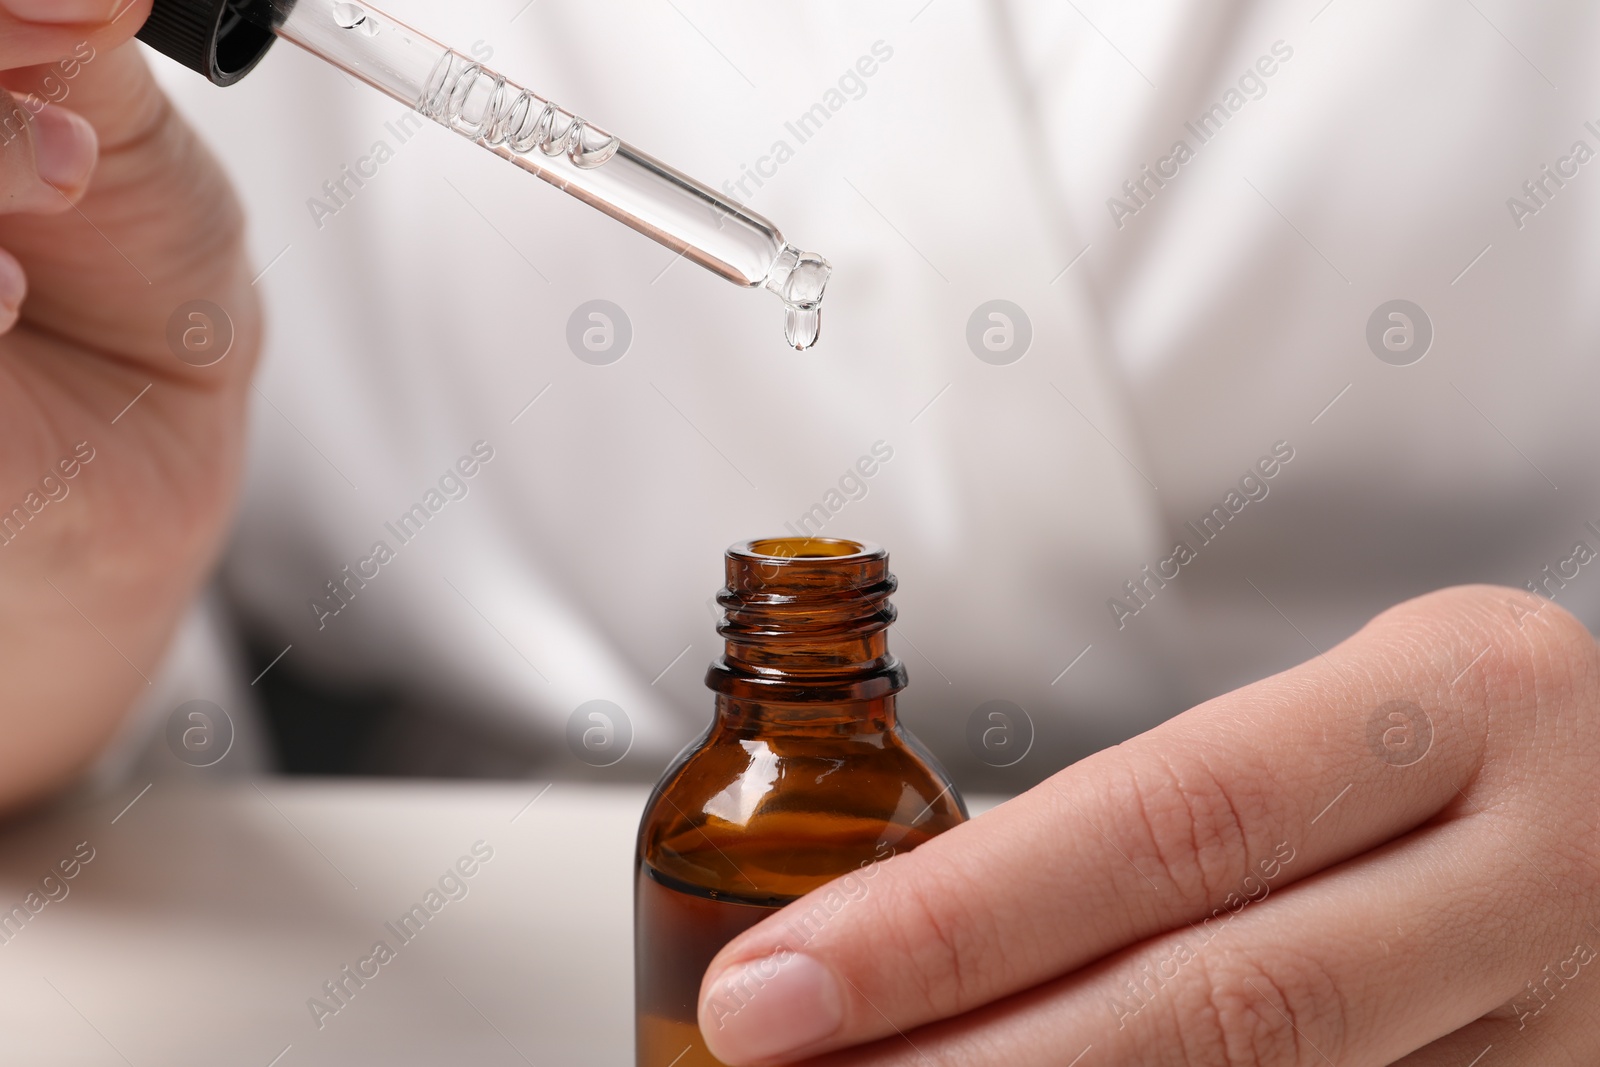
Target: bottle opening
[(806, 547), (805, 620)]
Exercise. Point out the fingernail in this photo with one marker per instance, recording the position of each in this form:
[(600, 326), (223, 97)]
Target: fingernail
[(65, 147), (13, 288), (62, 10), (770, 1007)]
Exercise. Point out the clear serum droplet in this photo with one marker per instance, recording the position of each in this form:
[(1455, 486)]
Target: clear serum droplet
[(802, 327), (799, 278), (354, 17)]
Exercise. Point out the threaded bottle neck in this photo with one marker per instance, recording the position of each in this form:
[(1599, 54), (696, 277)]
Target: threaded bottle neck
[(805, 621)]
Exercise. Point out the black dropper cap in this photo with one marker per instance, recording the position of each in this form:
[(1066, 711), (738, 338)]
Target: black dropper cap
[(222, 39)]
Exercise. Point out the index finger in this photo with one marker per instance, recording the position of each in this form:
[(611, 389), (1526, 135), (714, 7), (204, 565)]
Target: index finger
[(1251, 791)]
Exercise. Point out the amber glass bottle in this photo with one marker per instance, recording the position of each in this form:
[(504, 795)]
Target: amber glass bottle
[(803, 776)]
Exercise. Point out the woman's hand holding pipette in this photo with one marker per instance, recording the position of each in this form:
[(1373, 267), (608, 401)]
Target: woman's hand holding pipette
[(119, 454)]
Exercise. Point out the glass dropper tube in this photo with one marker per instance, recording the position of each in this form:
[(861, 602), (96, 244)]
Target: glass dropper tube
[(565, 150)]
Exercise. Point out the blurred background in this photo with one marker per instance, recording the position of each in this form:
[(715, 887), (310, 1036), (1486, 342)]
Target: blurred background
[(1098, 267)]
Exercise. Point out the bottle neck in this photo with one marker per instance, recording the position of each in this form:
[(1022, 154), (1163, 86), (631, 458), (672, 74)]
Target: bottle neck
[(851, 718), (805, 622)]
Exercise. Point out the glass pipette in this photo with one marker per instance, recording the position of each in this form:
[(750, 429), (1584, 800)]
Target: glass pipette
[(225, 38)]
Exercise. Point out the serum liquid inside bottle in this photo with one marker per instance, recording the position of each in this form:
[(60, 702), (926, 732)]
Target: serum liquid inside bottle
[(804, 775)]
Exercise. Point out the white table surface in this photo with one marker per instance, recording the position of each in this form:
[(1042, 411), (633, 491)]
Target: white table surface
[(209, 916)]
